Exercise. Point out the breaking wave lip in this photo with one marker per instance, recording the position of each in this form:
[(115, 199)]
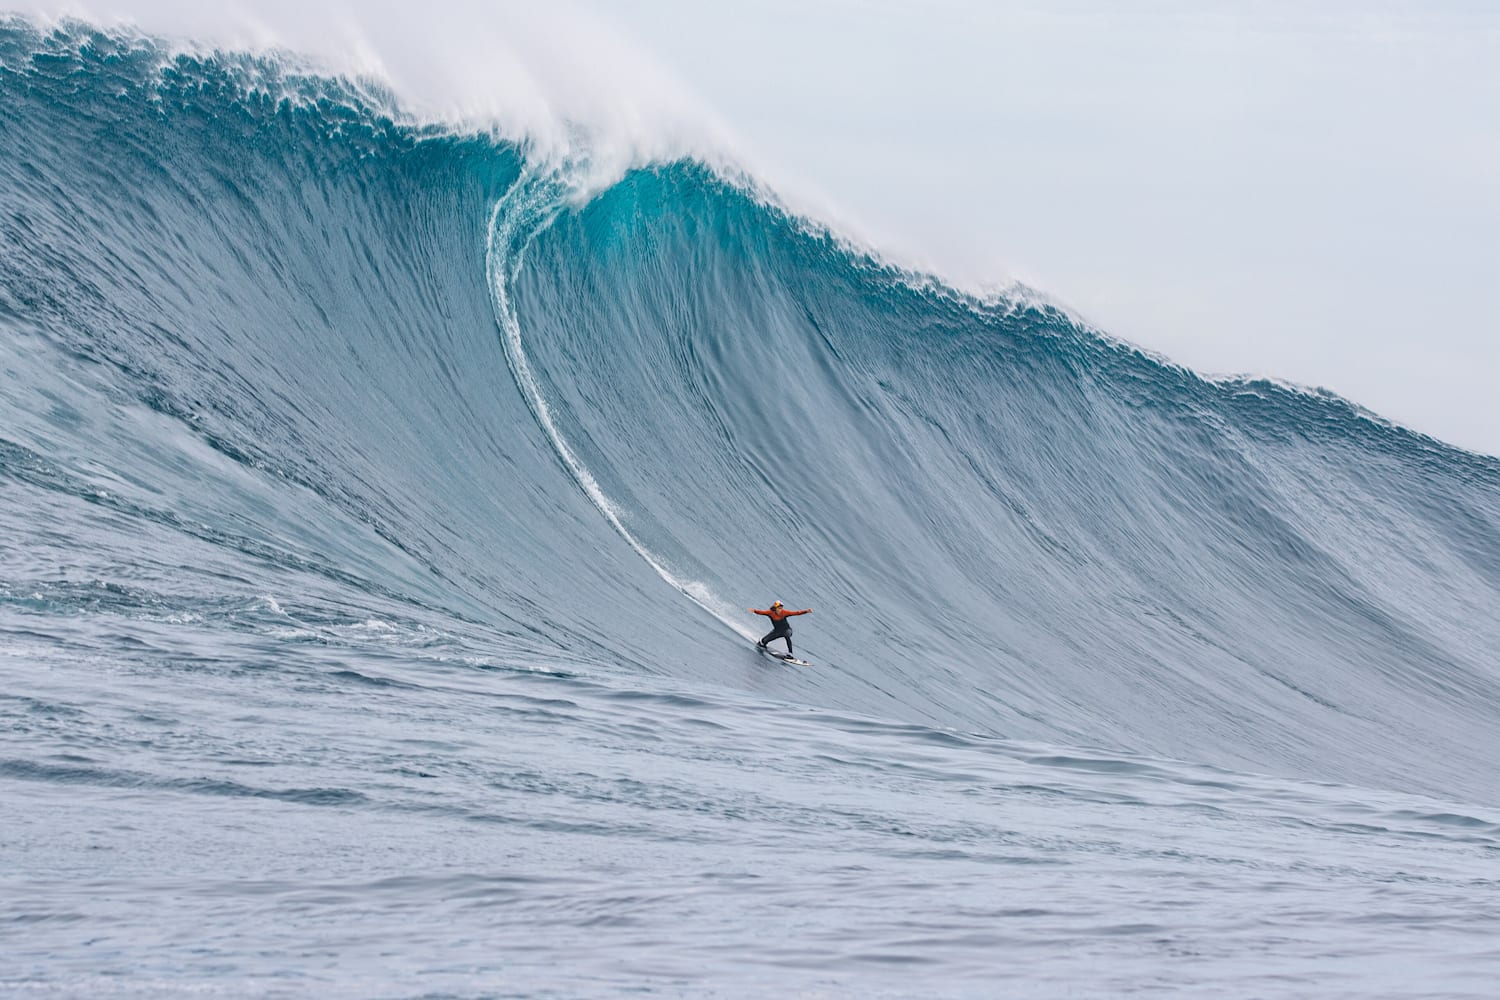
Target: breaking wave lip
[(291, 56), (554, 80), (594, 153)]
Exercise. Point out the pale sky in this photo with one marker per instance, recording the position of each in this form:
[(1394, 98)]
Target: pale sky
[(1305, 191)]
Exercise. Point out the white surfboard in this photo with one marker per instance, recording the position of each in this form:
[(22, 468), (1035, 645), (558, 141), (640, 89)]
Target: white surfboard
[(783, 657)]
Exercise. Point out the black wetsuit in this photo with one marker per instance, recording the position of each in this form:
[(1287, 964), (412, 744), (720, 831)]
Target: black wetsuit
[(783, 630)]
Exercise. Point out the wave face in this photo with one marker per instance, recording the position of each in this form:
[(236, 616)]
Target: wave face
[(324, 336), (285, 375), (1015, 525)]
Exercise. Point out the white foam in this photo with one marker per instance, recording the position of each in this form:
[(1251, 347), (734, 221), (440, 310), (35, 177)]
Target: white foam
[(555, 78), (265, 602), (549, 75)]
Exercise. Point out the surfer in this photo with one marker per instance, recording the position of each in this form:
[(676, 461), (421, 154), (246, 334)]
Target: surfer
[(781, 628)]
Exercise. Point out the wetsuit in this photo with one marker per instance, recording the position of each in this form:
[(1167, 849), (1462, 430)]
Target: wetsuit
[(782, 628)]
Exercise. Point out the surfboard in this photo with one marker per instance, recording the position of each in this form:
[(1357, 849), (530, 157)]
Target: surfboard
[(784, 657)]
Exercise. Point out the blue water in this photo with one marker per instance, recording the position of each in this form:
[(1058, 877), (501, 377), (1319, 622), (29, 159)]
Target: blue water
[(378, 513)]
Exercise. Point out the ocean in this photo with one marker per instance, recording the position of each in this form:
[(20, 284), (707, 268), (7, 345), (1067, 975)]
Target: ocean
[(380, 504)]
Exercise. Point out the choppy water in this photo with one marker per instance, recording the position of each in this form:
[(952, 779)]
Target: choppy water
[(376, 521)]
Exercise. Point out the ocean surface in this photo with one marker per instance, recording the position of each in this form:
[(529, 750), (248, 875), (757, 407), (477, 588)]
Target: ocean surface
[(379, 508)]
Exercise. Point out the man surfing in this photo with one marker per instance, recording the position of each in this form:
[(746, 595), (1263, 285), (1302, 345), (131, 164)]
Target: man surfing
[(781, 628)]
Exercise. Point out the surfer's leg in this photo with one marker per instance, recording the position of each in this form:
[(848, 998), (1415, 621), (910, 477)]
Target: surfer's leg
[(773, 634)]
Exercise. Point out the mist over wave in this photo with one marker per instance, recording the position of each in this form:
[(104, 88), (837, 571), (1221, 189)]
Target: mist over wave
[(308, 402)]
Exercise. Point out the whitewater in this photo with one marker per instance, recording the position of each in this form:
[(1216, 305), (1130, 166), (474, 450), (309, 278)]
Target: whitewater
[(379, 505)]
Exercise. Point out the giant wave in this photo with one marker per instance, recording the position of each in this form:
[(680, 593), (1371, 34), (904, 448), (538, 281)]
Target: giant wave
[(378, 505), (419, 365)]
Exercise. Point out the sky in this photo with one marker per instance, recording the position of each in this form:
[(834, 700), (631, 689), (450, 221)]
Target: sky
[(1309, 192)]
